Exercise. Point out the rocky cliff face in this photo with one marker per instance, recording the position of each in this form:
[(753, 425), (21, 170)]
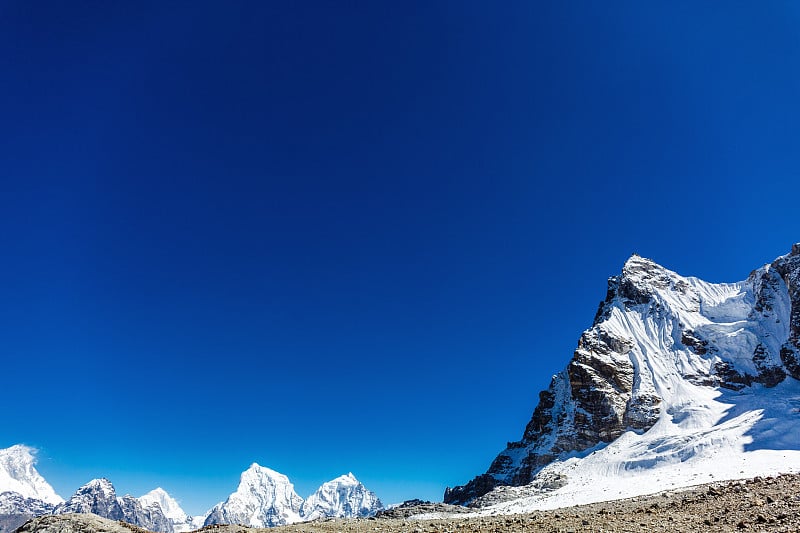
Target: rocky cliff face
[(656, 336), (150, 517), (100, 498)]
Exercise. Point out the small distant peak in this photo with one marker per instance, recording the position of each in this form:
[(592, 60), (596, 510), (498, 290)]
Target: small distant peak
[(17, 460), (636, 258), (20, 448), (637, 263), (158, 491), (256, 471), (255, 467), (99, 482), (348, 478), (98, 485)]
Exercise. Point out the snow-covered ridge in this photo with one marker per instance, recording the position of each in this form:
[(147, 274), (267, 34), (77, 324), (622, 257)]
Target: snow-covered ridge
[(266, 498), (678, 381)]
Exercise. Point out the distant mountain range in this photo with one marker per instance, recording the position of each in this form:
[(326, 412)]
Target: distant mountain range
[(264, 498)]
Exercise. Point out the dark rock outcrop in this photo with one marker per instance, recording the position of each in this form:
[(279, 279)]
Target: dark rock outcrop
[(788, 267), (100, 498), (15, 503), (150, 517)]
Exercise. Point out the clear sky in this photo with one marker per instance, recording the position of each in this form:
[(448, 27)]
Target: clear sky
[(356, 236)]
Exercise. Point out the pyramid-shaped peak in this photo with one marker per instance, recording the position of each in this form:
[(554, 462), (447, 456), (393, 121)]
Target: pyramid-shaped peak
[(257, 468), (637, 261), (261, 475)]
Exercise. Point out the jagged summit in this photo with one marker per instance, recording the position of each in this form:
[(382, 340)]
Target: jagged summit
[(672, 368), (345, 479), (102, 485), (99, 497)]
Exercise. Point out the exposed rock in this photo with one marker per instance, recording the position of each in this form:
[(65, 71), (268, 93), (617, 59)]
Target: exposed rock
[(10, 522), (100, 498), (77, 523), (97, 497), (15, 503), (150, 517)]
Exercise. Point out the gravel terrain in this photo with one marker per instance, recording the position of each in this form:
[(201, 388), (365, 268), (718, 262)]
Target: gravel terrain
[(760, 504)]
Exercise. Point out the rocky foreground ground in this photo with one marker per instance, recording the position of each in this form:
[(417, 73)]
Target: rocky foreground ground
[(760, 504)]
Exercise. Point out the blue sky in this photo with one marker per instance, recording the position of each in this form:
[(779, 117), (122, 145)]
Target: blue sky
[(361, 236)]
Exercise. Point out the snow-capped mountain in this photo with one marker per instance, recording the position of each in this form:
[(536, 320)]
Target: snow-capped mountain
[(172, 510), (18, 475), (264, 498), (677, 382), (99, 497), (343, 497)]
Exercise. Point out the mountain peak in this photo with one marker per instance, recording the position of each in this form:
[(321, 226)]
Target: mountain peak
[(170, 507), (259, 475), (101, 484), (343, 497), (673, 372), (18, 474), (264, 498), (636, 266)]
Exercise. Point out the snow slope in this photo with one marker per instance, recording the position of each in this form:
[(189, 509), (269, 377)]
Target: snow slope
[(18, 475), (717, 436), (678, 382)]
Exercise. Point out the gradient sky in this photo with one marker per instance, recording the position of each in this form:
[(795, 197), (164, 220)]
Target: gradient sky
[(356, 236)]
